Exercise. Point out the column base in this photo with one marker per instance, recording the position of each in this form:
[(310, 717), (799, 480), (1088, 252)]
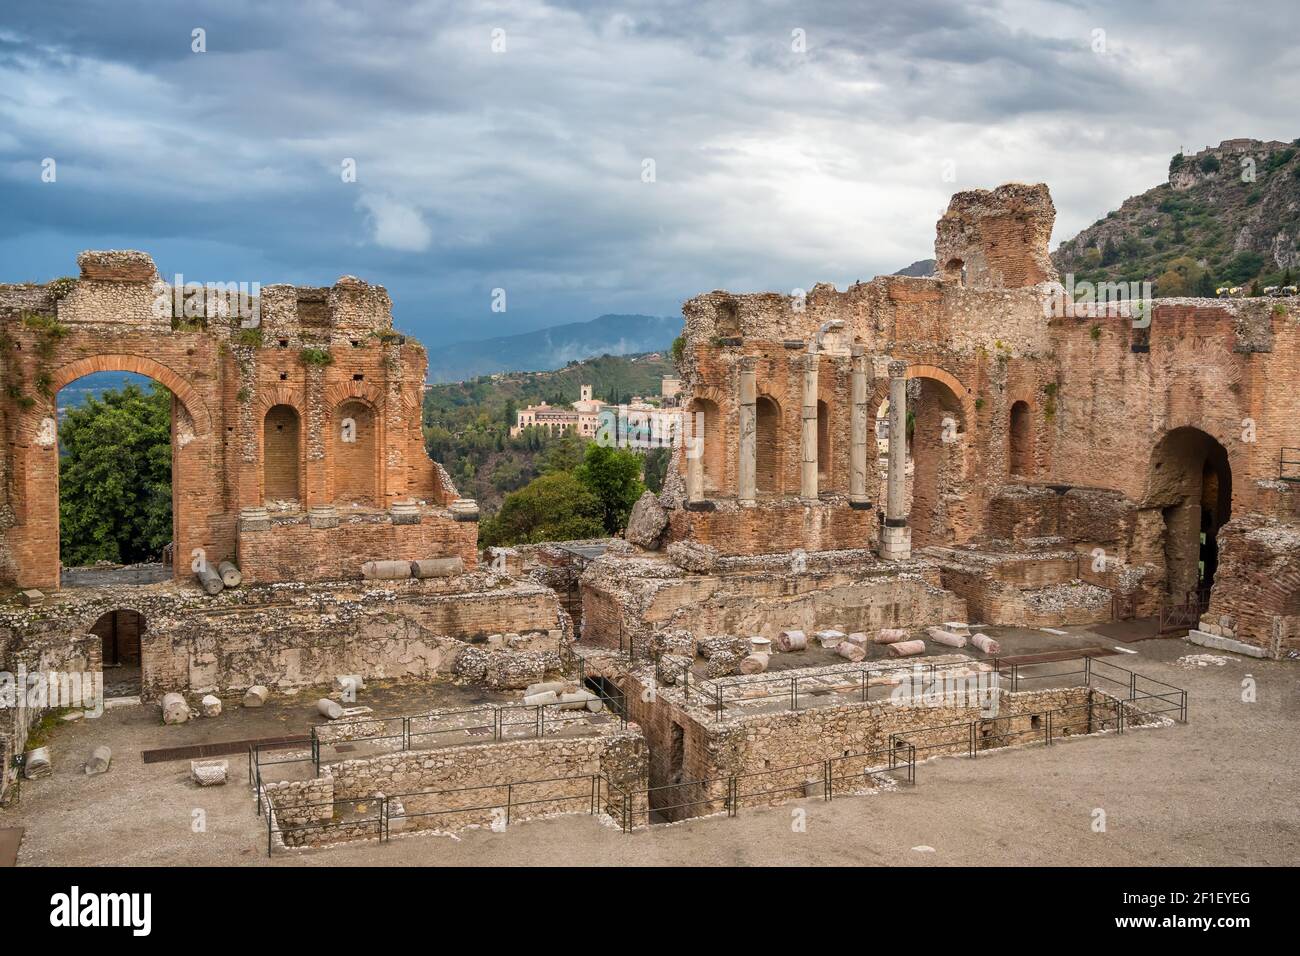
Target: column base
[(896, 543)]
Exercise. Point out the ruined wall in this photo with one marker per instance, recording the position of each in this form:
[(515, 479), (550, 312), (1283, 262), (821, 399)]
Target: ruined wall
[(630, 600), (1094, 393), (307, 359), (775, 753), (619, 755), (293, 635), (298, 547)]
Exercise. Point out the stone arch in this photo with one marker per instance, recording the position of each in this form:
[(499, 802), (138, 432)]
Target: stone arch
[(939, 464), (267, 398), (1020, 440), (282, 458), (123, 362), (355, 453), (368, 392), (768, 445), (37, 428), (706, 411)]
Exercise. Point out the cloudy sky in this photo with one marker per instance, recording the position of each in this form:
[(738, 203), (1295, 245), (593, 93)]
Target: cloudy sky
[(791, 143)]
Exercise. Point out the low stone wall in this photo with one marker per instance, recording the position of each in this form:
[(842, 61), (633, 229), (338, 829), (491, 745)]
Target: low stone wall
[(289, 636), (537, 778), (778, 756), (636, 596), (289, 548)]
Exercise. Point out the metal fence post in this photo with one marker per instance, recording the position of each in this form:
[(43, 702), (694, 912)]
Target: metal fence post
[(1048, 731), (794, 693), (510, 789)]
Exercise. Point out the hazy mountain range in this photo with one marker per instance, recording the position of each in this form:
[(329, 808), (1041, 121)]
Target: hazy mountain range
[(554, 347)]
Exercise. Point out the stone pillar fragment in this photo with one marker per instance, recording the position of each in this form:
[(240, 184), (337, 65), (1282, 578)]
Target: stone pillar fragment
[(748, 462), (808, 442), (858, 497), (896, 536)]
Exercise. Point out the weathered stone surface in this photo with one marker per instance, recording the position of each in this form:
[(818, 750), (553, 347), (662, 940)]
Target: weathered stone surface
[(256, 696), (209, 773), (670, 668), (646, 524), (694, 557), (100, 759), (211, 705), (174, 709)]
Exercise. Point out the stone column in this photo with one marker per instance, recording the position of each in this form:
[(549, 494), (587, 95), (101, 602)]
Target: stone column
[(896, 536), (858, 497), (747, 465), (808, 461)]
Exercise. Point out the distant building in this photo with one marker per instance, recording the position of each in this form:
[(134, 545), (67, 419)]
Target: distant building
[(639, 419)]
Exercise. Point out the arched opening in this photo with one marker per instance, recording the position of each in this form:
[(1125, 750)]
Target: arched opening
[(824, 469), (119, 634), (935, 427), (115, 435), (280, 456), (955, 270), (706, 417), (1190, 482), (1021, 457), (768, 439), (355, 455)]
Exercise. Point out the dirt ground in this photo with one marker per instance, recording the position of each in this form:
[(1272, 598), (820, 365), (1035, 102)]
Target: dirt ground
[(1220, 790)]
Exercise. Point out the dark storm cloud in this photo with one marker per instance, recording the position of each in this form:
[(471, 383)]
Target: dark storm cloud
[(522, 170)]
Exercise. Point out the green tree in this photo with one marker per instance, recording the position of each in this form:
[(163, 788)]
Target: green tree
[(115, 478), (614, 476), (657, 461), (563, 454), (554, 507)]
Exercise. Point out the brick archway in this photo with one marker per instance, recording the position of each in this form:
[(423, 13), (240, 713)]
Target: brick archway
[(355, 473), (192, 431), (139, 365)]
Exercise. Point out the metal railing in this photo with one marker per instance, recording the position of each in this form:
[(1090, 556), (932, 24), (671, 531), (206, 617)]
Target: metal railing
[(358, 826), (500, 801), (1001, 731), (855, 682), (497, 723)]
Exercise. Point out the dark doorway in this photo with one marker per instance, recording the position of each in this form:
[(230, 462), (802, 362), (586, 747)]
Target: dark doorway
[(119, 633), (1191, 482)]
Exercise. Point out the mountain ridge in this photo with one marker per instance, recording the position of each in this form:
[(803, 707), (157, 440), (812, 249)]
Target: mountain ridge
[(554, 347)]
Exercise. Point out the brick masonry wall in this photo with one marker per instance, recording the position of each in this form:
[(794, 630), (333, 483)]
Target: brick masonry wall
[(291, 550), (765, 599), (226, 380), (290, 636)]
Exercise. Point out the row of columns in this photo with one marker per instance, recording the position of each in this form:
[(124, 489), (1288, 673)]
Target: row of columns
[(896, 536)]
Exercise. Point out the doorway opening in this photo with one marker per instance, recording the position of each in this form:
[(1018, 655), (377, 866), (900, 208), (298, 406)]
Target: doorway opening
[(119, 634)]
